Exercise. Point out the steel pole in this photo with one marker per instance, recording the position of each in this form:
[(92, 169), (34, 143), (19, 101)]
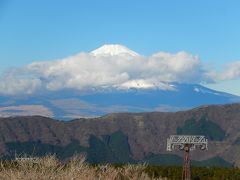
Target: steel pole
[(186, 172)]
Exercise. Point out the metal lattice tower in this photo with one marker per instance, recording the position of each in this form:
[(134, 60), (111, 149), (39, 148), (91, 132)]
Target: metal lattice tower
[(186, 143)]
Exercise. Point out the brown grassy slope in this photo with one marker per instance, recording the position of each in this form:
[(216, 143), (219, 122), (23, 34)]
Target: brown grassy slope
[(49, 168)]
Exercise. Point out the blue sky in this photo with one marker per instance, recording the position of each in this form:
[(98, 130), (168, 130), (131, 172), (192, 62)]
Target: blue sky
[(32, 30)]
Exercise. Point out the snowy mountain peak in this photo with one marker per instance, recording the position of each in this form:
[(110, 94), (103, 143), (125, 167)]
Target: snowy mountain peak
[(113, 50)]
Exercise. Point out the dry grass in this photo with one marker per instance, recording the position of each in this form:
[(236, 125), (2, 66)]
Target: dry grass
[(49, 168)]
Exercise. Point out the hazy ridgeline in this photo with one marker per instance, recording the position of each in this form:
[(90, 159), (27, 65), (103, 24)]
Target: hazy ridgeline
[(49, 167)]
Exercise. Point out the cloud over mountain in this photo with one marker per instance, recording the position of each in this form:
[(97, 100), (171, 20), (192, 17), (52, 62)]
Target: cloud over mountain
[(112, 66), (229, 72)]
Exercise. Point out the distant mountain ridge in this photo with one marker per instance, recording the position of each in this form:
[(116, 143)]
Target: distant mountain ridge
[(127, 137), (69, 104)]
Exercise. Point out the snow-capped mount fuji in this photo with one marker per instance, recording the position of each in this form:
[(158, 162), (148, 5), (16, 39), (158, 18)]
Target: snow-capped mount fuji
[(132, 94), (114, 50)]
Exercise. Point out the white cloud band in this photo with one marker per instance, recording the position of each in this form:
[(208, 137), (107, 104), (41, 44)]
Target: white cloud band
[(87, 70)]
